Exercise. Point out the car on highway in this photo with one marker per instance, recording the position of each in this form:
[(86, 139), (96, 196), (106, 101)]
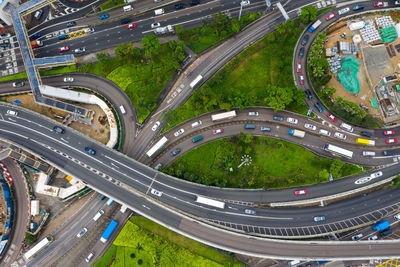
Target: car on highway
[(155, 126), (253, 113), (308, 93), (319, 218), (301, 192), (331, 117), (249, 211), (305, 40), (331, 16), (376, 174), (18, 84), (63, 49), (310, 127), (155, 25), (71, 23), (245, 3), (131, 26), (175, 152), (125, 21), (89, 150), (389, 132), (277, 118), (298, 67), (89, 257), (155, 192), (397, 3), (89, 30), (374, 237), (5, 35), (58, 129), (68, 79), (301, 52), (194, 2), (179, 6), (397, 217), (367, 134), (301, 77), (357, 237), (318, 107), (344, 11), (12, 113), (35, 36), (218, 131), (80, 50), (391, 141), (265, 129), (104, 16), (379, 4), (179, 132), (82, 233), (292, 120), (358, 7), (340, 136)]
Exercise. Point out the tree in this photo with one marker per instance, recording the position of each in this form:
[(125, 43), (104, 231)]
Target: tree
[(278, 97), (324, 174), (249, 138), (122, 50), (102, 57), (150, 44), (235, 25), (336, 168), (136, 52), (308, 14)]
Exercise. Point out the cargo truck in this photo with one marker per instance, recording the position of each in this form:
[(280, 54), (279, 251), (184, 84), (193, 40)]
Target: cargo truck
[(297, 133), (164, 30), (36, 43), (381, 226), (109, 231), (367, 142), (314, 26)]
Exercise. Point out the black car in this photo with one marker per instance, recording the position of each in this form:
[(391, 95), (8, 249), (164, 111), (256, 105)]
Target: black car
[(305, 39), (179, 6), (301, 53), (175, 152), (385, 232), (71, 23), (194, 2), (308, 93), (278, 118), (389, 152), (125, 21), (367, 134)]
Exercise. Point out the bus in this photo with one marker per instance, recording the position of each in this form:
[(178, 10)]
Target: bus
[(157, 146), (30, 253), (366, 142), (109, 231), (222, 116), (210, 202), (196, 81), (337, 151)]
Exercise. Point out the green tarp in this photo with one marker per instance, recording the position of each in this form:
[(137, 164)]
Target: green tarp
[(347, 75), (388, 34), (374, 104)]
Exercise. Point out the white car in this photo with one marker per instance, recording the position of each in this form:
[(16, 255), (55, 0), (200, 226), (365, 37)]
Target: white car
[(376, 175), (155, 192), (245, 3), (253, 113), (68, 79), (82, 233), (155, 25), (178, 133), (292, 120), (155, 126), (310, 127), (12, 112), (340, 136), (374, 237), (397, 217)]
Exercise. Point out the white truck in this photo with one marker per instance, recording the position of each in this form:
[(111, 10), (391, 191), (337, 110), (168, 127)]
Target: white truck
[(297, 133), (169, 29)]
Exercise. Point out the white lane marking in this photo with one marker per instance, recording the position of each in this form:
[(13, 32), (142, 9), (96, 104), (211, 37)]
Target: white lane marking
[(144, 206), (11, 119), (23, 136), (64, 140), (114, 165)]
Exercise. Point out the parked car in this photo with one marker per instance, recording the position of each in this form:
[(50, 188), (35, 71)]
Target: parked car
[(179, 132), (218, 131), (397, 217), (18, 84), (357, 237), (374, 237), (175, 152), (301, 192), (331, 117), (82, 233), (155, 126), (35, 36), (104, 16)]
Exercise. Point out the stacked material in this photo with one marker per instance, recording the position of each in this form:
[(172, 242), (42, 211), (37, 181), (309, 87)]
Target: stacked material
[(369, 33)]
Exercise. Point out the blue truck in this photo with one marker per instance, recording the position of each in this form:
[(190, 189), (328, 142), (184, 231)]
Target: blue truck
[(108, 232), (381, 226), (314, 26)]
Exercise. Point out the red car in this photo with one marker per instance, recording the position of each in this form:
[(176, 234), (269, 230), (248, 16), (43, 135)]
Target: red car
[(63, 49), (330, 16), (389, 132), (301, 192), (301, 78), (391, 141), (131, 25), (299, 67), (218, 131), (378, 4), (331, 117)]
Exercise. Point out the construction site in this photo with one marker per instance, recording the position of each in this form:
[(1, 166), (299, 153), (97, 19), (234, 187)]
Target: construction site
[(364, 61)]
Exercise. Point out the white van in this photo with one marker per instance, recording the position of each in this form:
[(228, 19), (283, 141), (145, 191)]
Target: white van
[(368, 153), (98, 215), (346, 127), (196, 124), (293, 263), (344, 11), (159, 11), (122, 109), (127, 8), (324, 132)]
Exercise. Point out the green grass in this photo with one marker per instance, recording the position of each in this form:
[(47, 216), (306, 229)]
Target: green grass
[(111, 4), (58, 70), (275, 164), (242, 82), (136, 245)]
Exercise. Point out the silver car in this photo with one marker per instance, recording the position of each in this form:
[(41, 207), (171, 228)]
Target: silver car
[(251, 212), (82, 233), (155, 126), (178, 133)]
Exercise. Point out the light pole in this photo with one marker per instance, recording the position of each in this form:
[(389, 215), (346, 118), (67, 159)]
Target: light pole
[(246, 160)]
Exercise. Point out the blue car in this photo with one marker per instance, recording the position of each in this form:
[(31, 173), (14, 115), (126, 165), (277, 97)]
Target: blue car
[(90, 150), (35, 36), (104, 16)]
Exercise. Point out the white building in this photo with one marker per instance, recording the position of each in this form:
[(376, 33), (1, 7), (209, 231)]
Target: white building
[(5, 19)]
